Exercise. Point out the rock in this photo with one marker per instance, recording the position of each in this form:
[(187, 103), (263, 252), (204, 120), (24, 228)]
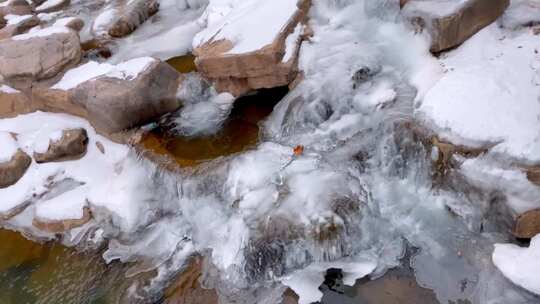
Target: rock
[(533, 174), (132, 16), (38, 56), (62, 225), (13, 170), (13, 102), (72, 145), (16, 7), (528, 224), (52, 6), (113, 103), (100, 147), (449, 22), (24, 25), (271, 65), (187, 289), (73, 23)]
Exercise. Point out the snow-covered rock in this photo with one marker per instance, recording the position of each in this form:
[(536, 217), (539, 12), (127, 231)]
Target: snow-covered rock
[(39, 55), (451, 22), (489, 94), (132, 16), (15, 7), (520, 265), (114, 97), (521, 13), (13, 161), (52, 6), (248, 45), (17, 25)]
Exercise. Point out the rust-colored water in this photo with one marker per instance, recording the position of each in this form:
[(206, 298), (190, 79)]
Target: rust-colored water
[(184, 63), (239, 133)]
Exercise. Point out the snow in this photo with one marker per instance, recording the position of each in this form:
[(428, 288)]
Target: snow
[(48, 31), (16, 19), (127, 70), (249, 25), (63, 21), (9, 147), (48, 4), (94, 170), (490, 94), (103, 20), (437, 8), (82, 73), (41, 144), (520, 265), (520, 13), (291, 42), (7, 89), (68, 205)]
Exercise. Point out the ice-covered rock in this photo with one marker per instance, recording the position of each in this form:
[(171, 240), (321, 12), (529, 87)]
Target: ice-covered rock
[(115, 97), (62, 145), (40, 55), (238, 56), (451, 22), (521, 13)]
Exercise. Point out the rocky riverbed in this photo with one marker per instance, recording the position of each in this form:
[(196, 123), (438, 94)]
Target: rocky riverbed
[(252, 151)]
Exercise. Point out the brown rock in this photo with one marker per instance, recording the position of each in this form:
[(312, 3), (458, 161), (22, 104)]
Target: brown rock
[(64, 225), (53, 8), (13, 170), (25, 61), (263, 68), (14, 103), (528, 224), (132, 16), (533, 174), (75, 24), (450, 29), (16, 7), (72, 145), (113, 105), (19, 28)]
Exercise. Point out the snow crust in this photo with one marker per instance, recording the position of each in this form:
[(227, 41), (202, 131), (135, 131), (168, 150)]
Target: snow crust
[(240, 23), (7, 89), (48, 4), (127, 70), (48, 31), (16, 19), (9, 147), (520, 265), (506, 110), (437, 8), (521, 13)]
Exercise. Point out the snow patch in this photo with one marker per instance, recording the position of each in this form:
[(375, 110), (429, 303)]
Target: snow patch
[(9, 147)]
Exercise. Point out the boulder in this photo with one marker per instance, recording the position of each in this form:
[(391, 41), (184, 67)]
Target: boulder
[(117, 99), (237, 66), (12, 170), (13, 102), (73, 23), (533, 174), (132, 16), (52, 6), (59, 226), (18, 25), (15, 7), (71, 145), (528, 224), (450, 22), (41, 55)]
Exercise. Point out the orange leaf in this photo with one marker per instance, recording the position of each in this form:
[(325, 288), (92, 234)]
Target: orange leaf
[(298, 150)]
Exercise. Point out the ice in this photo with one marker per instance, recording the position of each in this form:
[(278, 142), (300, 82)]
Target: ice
[(239, 23), (520, 265), (204, 110), (439, 8), (9, 146), (506, 66), (291, 42)]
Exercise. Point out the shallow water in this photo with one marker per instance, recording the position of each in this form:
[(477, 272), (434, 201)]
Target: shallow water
[(239, 133)]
